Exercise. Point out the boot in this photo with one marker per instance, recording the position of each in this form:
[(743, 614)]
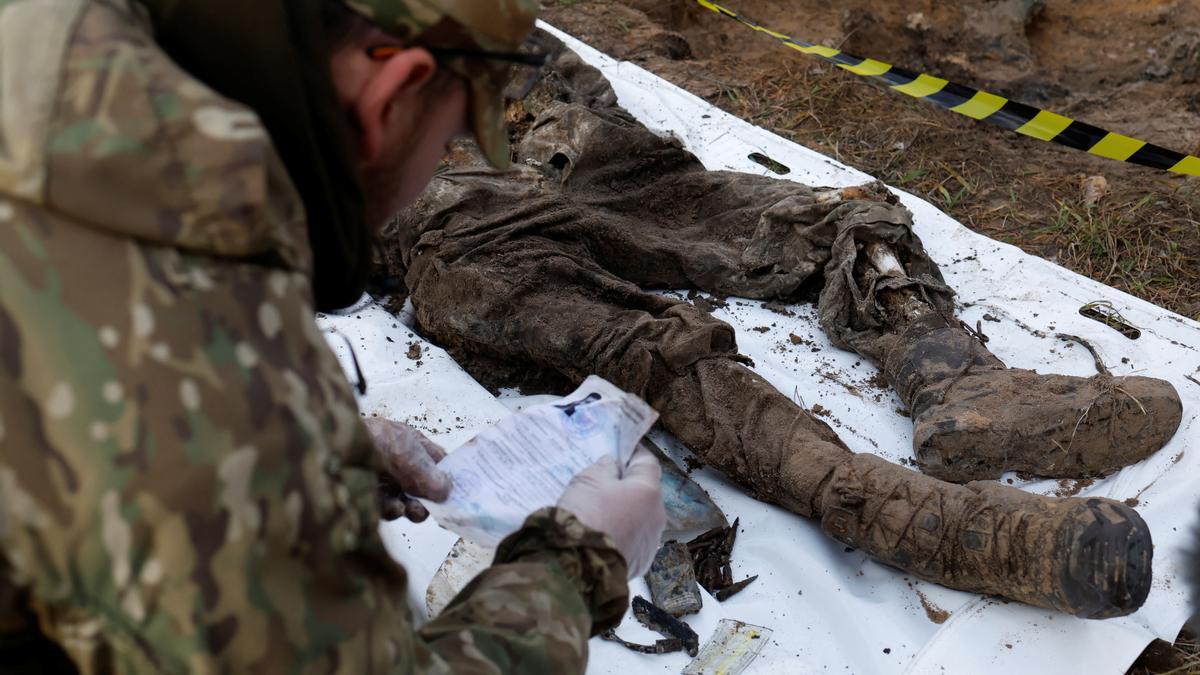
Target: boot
[(1087, 557), (974, 418)]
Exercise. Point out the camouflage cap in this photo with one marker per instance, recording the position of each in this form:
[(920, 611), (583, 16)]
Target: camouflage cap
[(483, 25)]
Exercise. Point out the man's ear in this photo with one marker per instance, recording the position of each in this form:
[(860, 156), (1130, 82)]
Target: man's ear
[(394, 83)]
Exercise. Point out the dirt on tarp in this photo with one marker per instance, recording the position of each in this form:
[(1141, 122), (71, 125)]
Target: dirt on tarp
[(1131, 66)]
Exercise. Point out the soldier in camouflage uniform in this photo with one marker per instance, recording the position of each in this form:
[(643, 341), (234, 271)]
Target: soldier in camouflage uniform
[(185, 483)]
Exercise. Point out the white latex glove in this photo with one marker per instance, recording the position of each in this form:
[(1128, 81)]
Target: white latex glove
[(407, 464), (628, 509)]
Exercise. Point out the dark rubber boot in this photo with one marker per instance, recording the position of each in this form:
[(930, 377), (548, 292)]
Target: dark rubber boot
[(1087, 557), (975, 419)]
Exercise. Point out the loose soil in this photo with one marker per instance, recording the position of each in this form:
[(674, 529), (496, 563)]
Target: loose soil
[(1132, 66), (933, 612)]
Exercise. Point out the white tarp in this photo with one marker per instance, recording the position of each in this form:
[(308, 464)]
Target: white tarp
[(834, 610)]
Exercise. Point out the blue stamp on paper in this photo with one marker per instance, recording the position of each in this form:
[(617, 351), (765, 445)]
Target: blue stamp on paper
[(585, 419)]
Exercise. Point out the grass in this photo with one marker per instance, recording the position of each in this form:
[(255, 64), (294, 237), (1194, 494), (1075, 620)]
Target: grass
[(1143, 237)]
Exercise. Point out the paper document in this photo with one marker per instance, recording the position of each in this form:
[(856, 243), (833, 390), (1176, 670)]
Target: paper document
[(525, 462)]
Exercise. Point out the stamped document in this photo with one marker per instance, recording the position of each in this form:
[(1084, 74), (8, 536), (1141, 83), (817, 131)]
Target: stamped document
[(525, 462)]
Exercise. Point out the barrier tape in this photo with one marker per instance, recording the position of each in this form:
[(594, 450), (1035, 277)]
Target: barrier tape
[(981, 105)]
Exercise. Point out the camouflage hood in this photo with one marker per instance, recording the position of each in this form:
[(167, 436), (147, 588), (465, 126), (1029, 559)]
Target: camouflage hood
[(271, 56)]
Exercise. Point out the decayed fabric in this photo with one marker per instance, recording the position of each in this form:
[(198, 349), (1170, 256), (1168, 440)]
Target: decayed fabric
[(541, 275), (185, 484)]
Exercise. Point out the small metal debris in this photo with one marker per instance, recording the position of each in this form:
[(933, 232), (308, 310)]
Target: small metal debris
[(1104, 312), (677, 635), (726, 593), (665, 646), (659, 621), (672, 581), (769, 164), (712, 552)]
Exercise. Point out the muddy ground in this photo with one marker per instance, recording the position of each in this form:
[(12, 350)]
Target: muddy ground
[(1132, 66)]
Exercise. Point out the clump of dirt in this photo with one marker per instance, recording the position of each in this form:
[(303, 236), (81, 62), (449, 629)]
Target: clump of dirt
[(708, 304), (1132, 66), (779, 308), (933, 612), (1068, 487), (879, 381)]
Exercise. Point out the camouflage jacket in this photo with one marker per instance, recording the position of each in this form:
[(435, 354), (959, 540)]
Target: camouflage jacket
[(185, 484)]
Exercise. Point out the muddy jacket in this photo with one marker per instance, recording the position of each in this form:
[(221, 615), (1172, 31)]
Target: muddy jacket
[(185, 485)]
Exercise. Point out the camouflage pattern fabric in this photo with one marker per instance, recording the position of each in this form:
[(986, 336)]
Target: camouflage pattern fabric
[(185, 483), (496, 26)]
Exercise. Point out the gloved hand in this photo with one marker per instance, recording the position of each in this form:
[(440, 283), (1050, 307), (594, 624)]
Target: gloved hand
[(406, 462), (628, 509)]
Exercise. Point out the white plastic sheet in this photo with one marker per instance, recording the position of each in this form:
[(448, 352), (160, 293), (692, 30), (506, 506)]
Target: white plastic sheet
[(833, 610)]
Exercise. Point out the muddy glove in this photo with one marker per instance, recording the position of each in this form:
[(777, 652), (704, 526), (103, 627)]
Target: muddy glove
[(407, 466), (628, 508)]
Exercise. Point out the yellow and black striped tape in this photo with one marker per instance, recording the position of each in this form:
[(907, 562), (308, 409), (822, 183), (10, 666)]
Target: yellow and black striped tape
[(981, 105)]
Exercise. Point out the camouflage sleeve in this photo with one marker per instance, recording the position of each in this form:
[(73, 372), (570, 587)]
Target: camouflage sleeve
[(555, 583)]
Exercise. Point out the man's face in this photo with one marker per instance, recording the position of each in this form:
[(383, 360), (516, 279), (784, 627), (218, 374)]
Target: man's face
[(405, 111)]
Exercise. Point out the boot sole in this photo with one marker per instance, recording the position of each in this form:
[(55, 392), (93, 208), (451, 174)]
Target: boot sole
[(1110, 557)]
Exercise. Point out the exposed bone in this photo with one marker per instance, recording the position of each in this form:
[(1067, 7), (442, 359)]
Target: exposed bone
[(904, 304), (885, 260)]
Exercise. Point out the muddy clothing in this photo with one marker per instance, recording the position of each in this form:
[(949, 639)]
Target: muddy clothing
[(185, 483), (545, 268), (542, 275)]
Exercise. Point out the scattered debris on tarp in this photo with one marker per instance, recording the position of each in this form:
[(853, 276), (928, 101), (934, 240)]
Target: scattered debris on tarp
[(732, 649), (677, 635), (663, 646), (672, 581), (674, 578), (712, 552), (690, 511)]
